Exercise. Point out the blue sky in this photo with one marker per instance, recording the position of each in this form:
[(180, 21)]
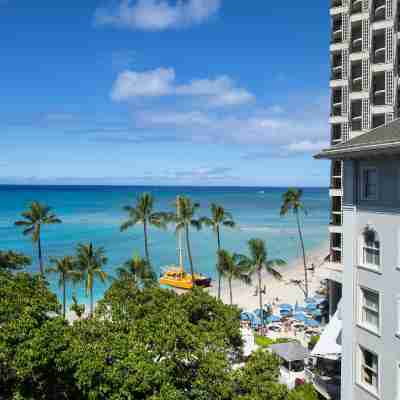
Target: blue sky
[(201, 92)]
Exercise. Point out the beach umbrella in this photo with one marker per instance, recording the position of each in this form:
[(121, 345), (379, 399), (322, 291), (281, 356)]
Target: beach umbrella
[(300, 309), (246, 316), (273, 318), (286, 306), (311, 307), (310, 300), (299, 317), (317, 313), (312, 323)]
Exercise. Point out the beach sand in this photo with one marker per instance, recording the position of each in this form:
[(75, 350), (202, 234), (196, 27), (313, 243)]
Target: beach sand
[(287, 292)]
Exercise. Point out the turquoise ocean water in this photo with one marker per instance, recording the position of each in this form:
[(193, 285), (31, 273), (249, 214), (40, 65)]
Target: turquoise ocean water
[(94, 213)]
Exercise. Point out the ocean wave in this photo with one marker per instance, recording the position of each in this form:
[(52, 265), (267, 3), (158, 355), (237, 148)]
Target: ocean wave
[(268, 229)]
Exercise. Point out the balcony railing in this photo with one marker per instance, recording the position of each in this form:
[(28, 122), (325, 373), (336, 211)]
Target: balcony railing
[(379, 55), (356, 123), (379, 11), (336, 220), (356, 44), (336, 73), (380, 97), (328, 386), (356, 84), (356, 7), (336, 183), (336, 3)]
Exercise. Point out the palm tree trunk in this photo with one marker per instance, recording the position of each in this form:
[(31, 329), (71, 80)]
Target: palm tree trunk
[(230, 289), (304, 254), (260, 297), (64, 298), (189, 252), (146, 245), (219, 272), (40, 258), (91, 301)]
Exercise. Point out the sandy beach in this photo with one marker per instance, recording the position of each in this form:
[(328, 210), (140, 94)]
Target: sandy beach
[(287, 292)]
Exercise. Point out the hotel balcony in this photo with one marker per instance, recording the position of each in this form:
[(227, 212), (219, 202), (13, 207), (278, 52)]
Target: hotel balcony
[(336, 134), (379, 92), (379, 47), (337, 30), (325, 384), (378, 120), (356, 7), (356, 115), (356, 37), (379, 10)]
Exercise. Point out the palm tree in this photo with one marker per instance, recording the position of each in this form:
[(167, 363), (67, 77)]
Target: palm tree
[(257, 262), (36, 216), (292, 201), (142, 213), (230, 267), (219, 217), (65, 268), (91, 261), (138, 270), (184, 219)]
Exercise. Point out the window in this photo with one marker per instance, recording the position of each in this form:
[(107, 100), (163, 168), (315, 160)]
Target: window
[(369, 377), (371, 254), (369, 184), (369, 309), (371, 249)]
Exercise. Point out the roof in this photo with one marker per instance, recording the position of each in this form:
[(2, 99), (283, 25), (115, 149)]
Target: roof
[(385, 138), (291, 351)]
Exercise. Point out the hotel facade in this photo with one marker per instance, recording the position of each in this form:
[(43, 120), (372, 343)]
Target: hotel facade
[(363, 270), (364, 84)]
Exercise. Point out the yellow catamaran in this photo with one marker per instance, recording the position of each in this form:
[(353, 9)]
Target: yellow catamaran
[(177, 277)]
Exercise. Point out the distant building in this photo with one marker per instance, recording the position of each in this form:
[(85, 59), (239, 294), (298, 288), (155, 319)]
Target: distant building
[(370, 306)]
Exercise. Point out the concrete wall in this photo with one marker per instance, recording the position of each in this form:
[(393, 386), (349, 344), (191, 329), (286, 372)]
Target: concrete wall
[(383, 215)]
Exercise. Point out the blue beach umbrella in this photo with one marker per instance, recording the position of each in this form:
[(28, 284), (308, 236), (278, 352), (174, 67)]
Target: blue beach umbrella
[(310, 300), (312, 323), (300, 308), (299, 317), (286, 307), (273, 318), (311, 307), (246, 316)]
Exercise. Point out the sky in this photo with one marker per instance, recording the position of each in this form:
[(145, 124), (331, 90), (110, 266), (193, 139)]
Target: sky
[(164, 92)]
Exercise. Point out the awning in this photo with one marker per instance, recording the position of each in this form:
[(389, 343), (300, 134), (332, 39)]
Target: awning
[(329, 344)]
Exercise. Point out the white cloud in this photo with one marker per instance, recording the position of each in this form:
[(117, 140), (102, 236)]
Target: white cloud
[(155, 83), (157, 15), (159, 82)]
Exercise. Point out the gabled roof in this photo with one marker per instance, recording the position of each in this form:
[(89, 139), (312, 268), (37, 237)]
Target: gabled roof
[(291, 351), (385, 137)]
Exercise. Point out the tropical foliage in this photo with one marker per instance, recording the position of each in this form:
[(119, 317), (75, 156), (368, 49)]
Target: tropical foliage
[(13, 261), (66, 270), (149, 344), (138, 271), (259, 262), (143, 213), (219, 218), (184, 219), (90, 262), (291, 201), (34, 218), (230, 267)]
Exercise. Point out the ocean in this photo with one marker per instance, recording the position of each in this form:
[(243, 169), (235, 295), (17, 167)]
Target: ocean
[(95, 213)]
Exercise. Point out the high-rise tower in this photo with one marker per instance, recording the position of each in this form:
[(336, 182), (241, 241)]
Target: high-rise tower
[(364, 84)]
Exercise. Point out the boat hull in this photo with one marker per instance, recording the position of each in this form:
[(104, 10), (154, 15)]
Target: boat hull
[(185, 283)]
